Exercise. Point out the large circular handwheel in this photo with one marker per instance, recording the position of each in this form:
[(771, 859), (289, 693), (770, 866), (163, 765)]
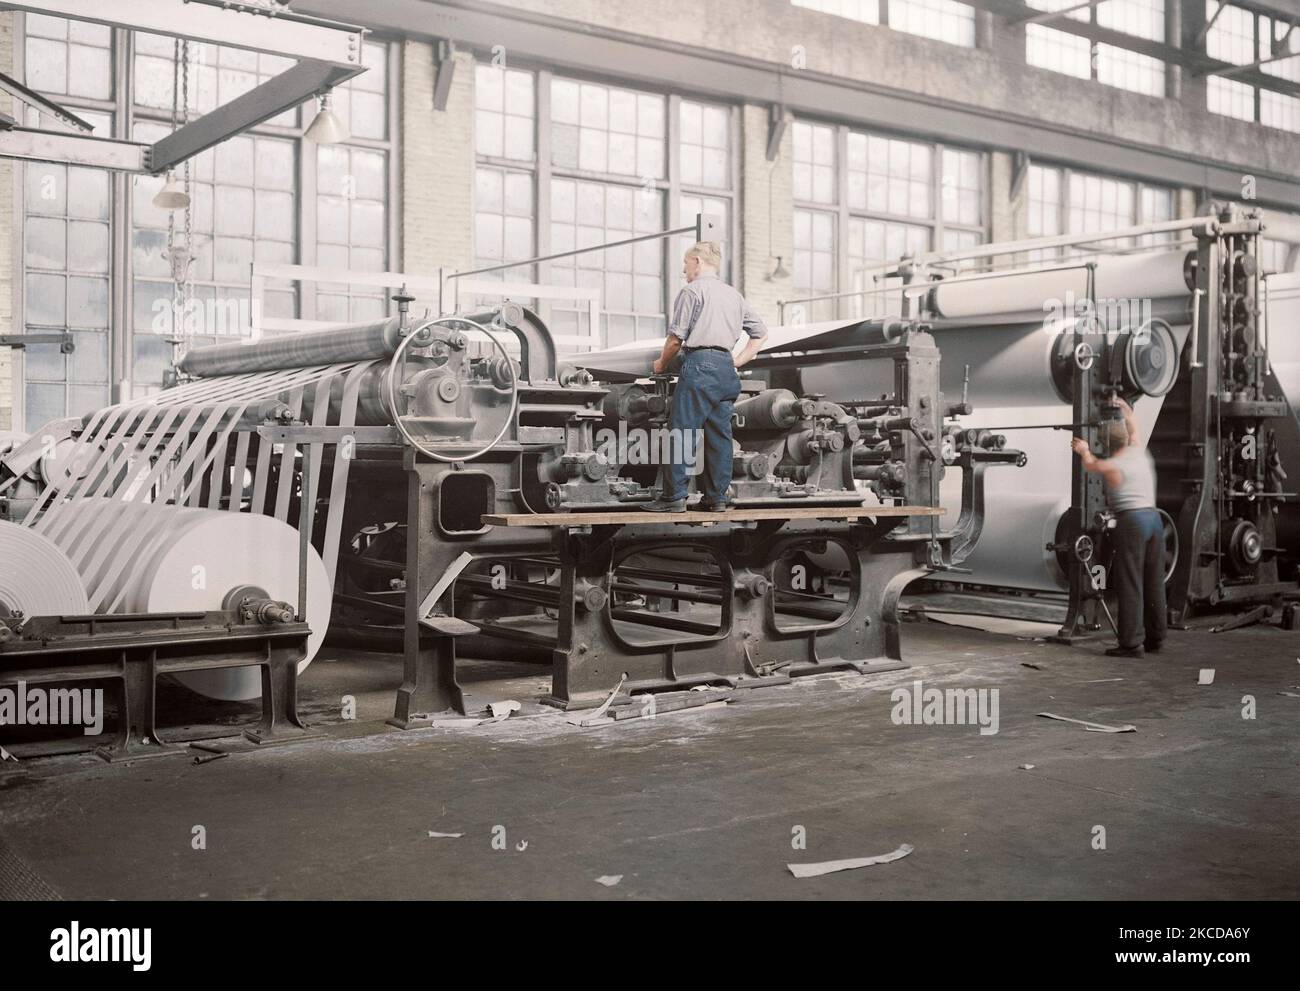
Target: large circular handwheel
[(392, 393)]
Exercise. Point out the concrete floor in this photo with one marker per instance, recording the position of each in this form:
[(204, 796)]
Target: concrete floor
[(1198, 803)]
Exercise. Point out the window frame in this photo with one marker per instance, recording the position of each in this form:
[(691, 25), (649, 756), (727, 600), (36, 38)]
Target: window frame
[(670, 186), (125, 113), (843, 215)]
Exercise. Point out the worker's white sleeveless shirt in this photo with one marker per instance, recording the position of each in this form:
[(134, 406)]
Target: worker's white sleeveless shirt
[(1137, 490)]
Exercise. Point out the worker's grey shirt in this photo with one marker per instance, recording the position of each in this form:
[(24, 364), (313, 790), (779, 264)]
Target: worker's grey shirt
[(1137, 489), (709, 313)]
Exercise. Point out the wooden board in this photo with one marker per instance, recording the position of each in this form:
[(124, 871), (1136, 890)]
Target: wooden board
[(697, 517)]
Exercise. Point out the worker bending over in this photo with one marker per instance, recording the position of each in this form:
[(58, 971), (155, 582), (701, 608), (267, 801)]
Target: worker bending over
[(1138, 566), (708, 319)]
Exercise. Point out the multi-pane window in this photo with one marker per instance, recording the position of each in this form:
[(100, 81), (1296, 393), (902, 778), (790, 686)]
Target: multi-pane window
[(607, 179), (631, 277), (1062, 201), (245, 208), (351, 228), (69, 58), (943, 20), (1059, 51), (1279, 110), (1279, 256), (362, 102), (1231, 37), (217, 75), (1130, 70), (867, 11), (504, 113), (1230, 98), (1143, 18), (889, 176), (607, 129), (704, 155), (890, 197), (814, 259), (503, 219), (814, 162), (66, 261), (1071, 54), (1244, 38), (505, 127)]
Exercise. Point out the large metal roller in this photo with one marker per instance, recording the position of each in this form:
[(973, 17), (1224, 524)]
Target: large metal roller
[(1023, 297), (363, 342)]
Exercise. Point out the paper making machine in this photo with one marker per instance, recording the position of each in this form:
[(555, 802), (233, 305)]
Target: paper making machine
[(1184, 331)]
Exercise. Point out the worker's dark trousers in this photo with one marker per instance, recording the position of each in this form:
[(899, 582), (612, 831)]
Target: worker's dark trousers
[(1138, 577), (706, 389)]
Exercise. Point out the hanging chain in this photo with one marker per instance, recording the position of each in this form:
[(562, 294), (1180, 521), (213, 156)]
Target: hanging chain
[(188, 287), (181, 257)]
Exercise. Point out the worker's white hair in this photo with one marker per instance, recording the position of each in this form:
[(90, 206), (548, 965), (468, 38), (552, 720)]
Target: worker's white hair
[(708, 252)]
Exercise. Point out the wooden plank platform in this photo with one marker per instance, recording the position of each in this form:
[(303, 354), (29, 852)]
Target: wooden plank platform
[(698, 517)]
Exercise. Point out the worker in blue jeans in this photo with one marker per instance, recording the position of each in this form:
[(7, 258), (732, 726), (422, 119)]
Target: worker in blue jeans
[(709, 317), (1138, 571)]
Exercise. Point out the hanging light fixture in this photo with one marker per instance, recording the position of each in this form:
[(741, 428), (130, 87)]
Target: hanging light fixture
[(780, 272), (171, 196), (326, 129)]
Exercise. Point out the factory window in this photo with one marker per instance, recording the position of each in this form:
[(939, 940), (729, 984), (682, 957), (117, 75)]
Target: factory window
[(1279, 256), (1062, 201), (69, 58), (893, 197), (1130, 70), (814, 260), (1279, 110), (705, 144), (504, 113), (1073, 55), (814, 163), (867, 11), (1048, 48), (245, 208), (1231, 37), (586, 213), (503, 220), (942, 20), (606, 129), (607, 178), (1230, 98), (66, 286), (1239, 36)]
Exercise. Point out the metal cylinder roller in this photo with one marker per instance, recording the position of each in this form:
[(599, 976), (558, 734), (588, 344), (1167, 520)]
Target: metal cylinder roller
[(362, 342)]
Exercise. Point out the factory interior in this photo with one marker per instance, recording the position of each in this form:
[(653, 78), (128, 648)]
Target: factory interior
[(336, 426)]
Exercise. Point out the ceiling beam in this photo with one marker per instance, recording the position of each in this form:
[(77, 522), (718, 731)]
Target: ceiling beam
[(291, 35)]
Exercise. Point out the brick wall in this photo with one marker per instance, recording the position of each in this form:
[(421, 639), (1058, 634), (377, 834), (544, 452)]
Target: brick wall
[(767, 211), (437, 165)]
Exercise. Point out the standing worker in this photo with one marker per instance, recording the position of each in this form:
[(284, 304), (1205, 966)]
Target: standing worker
[(708, 319), (1138, 565)]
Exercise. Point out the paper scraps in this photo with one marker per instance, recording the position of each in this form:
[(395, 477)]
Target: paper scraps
[(1090, 726), (834, 866)]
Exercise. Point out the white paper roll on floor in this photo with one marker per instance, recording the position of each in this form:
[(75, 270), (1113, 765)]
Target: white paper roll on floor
[(192, 559), (36, 577)]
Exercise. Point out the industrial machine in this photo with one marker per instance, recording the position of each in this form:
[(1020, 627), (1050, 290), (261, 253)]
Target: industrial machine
[(416, 494), (1172, 318)]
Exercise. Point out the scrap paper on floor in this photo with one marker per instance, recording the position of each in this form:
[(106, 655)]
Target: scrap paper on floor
[(833, 866)]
